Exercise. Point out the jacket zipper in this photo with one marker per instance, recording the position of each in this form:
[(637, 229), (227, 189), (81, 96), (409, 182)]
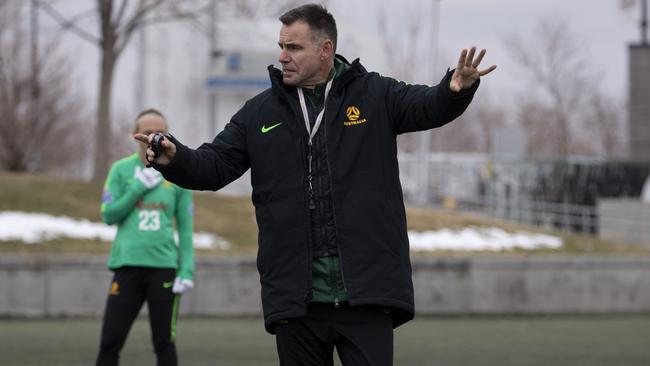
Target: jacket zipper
[(322, 236), (309, 271), (310, 202), (329, 176), (336, 287), (307, 296)]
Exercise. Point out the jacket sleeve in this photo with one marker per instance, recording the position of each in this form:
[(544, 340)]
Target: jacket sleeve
[(420, 107), (119, 197), (213, 165), (185, 225)]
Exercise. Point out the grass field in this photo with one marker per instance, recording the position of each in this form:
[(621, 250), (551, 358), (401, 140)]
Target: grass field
[(543, 341)]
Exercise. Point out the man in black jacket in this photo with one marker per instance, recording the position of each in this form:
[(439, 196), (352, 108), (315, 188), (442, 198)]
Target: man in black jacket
[(321, 145)]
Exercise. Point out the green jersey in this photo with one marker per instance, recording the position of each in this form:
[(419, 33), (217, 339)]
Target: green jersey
[(145, 220)]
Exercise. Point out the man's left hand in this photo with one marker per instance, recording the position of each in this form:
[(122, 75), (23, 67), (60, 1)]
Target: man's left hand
[(467, 71)]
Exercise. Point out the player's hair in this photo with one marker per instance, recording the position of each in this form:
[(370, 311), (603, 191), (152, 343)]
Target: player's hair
[(154, 111), (320, 21)]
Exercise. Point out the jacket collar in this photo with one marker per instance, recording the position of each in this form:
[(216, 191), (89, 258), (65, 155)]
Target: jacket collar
[(353, 70)]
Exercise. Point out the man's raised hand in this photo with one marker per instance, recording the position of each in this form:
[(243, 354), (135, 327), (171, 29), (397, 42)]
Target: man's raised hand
[(467, 71), (166, 153)]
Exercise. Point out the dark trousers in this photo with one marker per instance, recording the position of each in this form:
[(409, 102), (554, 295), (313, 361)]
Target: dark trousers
[(131, 287), (362, 335)]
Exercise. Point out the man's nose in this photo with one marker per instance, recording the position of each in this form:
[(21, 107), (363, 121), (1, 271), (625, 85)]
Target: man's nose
[(284, 57)]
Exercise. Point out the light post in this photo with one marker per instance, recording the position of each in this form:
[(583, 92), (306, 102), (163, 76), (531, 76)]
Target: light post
[(424, 146)]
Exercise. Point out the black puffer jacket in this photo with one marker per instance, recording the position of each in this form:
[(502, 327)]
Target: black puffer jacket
[(364, 114)]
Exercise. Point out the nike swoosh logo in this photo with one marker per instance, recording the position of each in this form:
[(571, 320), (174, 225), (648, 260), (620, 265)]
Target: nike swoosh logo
[(267, 129), (167, 284)]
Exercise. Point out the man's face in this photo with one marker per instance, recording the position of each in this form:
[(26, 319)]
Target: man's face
[(302, 60), (148, 124)]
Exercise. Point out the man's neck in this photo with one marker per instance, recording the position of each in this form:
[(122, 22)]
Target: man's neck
[(323, 77)]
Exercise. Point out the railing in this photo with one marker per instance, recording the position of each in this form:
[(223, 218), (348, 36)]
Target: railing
[(560, 195), (548, 215)]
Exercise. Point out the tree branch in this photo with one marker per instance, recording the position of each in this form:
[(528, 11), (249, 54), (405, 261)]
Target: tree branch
[(120, 13), (170, 18), (68, 24), (135, 22)]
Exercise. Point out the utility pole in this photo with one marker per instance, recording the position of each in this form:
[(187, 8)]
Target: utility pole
[(33, 37), (644, 22), (424, 146), (35, 69), (141, 89), (214, 53)]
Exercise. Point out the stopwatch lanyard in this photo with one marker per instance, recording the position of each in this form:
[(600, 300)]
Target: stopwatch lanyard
[(312, 132)]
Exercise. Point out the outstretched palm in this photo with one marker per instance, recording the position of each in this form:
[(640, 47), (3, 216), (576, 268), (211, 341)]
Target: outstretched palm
[(467, 71)]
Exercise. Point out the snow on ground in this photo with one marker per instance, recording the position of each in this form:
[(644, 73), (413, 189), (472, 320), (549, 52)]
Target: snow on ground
[(36, 227), (480, 239)]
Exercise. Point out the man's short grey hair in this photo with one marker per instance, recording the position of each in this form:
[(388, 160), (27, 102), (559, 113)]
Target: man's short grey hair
[(320, 21)]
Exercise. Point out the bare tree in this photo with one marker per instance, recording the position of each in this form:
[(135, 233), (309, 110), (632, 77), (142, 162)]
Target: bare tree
[(561, 86), (403, 37), (542, 132), (606, 121), (400, 38), (118, 21), (472, 131), (257, 9), (42, 116)]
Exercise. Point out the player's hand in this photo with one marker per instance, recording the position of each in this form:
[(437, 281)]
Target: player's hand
[(167, 153), (467, 71), (149, 177), (182, 285)]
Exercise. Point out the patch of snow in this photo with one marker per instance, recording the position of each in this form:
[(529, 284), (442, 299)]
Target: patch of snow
[(37, 227), (33, 228), (475, 239)]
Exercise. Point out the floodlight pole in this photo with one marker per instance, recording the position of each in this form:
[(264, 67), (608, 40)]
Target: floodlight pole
[(214, 53), (141, 90), (644, 22), (33, 23), (424, 146), (35, 88)]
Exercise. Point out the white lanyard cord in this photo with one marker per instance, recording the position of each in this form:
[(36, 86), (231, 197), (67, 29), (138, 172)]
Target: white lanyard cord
[(305, 114), (312, 133)]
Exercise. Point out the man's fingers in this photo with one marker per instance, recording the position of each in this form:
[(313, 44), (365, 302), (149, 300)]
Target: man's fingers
[(478, 59), (150, 155), (470, 57), (166, 144), (487, 71), (142, 138), (461, 59)]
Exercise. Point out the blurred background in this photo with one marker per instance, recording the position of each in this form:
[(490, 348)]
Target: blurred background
[(535, 202)]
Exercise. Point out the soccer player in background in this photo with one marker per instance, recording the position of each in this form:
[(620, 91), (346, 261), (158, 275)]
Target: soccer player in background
[(147, 263)]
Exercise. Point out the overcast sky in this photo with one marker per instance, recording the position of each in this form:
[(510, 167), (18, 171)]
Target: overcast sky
[(603, 29), (601, 26)]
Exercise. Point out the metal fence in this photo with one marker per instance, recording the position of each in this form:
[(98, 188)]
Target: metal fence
[(549, 215), (555, 194)]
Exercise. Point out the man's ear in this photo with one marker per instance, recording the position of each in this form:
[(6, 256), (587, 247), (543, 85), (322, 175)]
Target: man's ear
[(327, 49)]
